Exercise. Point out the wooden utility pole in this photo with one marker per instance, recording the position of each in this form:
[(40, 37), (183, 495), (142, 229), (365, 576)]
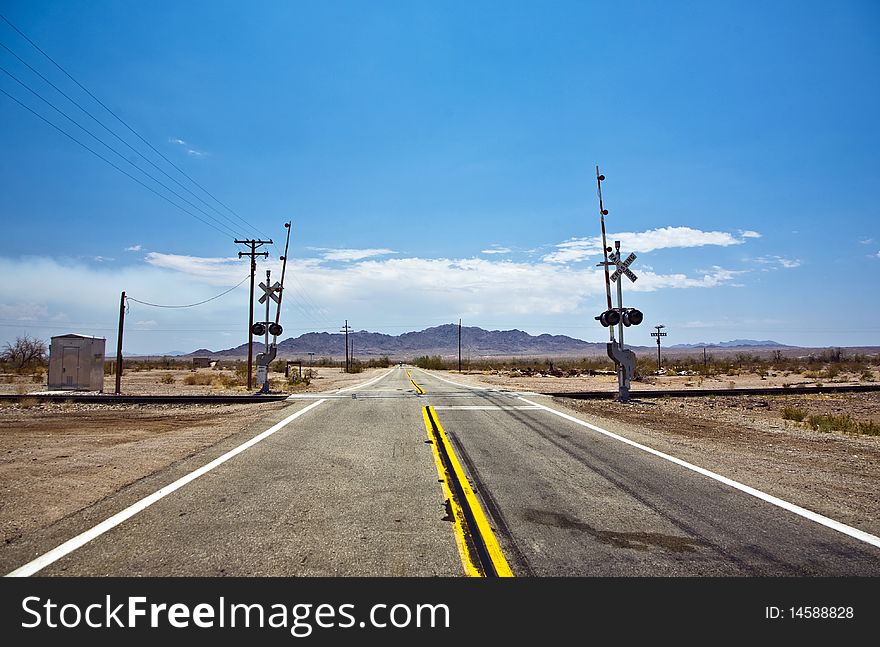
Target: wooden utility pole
[(346, 329), (119, 344), (253, 244), (658, 335), (459, 346)]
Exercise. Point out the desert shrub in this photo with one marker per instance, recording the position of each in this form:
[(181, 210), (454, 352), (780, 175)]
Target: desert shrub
[(167, 379), (828, 423), (225, 381), (199, 379), (433, 362), (296, 380), (24, 352), (794, 413)]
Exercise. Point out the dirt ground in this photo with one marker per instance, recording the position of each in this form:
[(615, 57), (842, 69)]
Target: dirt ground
[(550, 384), (173, 382)]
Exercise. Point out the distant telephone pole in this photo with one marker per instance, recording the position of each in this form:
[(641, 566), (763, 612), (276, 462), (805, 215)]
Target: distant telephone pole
[(346, 329), (658, 335), (459, 345), (253, 244)]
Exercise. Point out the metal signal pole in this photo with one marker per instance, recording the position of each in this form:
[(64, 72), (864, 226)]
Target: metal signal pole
[(605, 249), (253, 244)]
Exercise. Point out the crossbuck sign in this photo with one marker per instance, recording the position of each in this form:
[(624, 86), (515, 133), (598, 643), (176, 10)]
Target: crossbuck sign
[(622, 267), (273, 292)]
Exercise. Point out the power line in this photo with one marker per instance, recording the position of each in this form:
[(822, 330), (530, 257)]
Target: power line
[(130, 147), (132, 130), (113, 150), (189, 305), (98, 155)]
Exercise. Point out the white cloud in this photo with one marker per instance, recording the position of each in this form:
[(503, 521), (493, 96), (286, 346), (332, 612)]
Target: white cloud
[(134, 248), (321, 294), (775, 262), (216, 270), (748, 233), (866, 241), (579, 249), (352, 254), (23, 311), (102, 259), (192, 152), (496, 250)]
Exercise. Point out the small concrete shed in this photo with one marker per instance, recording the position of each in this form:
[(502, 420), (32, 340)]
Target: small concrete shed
[(76, 363)]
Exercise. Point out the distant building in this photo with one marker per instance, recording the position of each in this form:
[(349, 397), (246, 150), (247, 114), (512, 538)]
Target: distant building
[(202, 362), (76, 363)]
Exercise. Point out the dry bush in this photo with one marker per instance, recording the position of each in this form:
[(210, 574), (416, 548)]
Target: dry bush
[(199, 379)]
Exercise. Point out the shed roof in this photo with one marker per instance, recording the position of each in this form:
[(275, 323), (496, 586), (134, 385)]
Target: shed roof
[(77, 336)]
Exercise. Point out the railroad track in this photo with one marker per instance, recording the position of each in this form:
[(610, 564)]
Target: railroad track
[(695, 393), (145, 399), (577, 395)]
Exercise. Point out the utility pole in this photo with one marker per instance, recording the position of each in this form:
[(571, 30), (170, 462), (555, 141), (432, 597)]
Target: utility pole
[(119, 344), (253, 244), (658, 335), (346, 329), (459, 346)]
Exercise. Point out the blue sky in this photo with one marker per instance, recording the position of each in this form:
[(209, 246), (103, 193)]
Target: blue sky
[(438, 161)]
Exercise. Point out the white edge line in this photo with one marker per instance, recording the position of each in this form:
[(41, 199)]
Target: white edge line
[(855, 533), (481, 388), (80, 540), (360, 386)]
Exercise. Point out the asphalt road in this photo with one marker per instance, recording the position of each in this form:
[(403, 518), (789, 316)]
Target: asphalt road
[(352, 486)]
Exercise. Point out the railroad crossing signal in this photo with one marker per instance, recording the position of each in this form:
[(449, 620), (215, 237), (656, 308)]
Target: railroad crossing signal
[(273, 292), (260, 328), (622, 267)]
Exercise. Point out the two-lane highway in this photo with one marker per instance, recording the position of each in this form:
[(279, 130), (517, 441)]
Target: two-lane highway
[(412, 473)]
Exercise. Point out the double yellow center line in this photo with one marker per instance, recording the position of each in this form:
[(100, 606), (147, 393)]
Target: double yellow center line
[(418, 389), (479, 549)]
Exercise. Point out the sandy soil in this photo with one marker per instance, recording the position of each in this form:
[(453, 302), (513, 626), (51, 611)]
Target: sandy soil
[(155, 382), (550, 384), (58, 458)]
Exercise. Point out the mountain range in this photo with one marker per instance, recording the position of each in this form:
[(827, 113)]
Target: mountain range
[(443, 340)]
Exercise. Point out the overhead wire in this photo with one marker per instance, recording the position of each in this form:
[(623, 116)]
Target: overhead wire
[(98, 155), (132, 130), (189, 305), (113, 150)]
